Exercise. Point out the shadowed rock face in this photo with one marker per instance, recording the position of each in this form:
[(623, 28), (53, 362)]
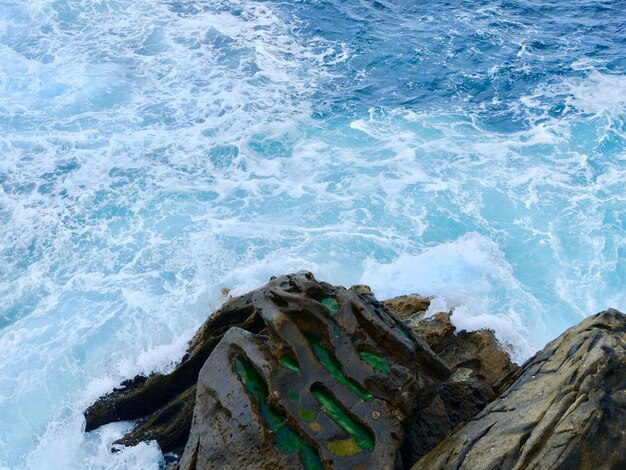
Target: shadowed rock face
[(477, 361), (565, 408), (326, 385), (164, 403)]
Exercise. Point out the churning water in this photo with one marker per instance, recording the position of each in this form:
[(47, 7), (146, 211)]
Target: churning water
[(153, 152)]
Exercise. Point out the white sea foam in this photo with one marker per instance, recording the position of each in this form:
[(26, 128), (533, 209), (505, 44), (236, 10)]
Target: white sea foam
[(118, 135), (65, 445), (596, 93), (471, 277), (154, 152)]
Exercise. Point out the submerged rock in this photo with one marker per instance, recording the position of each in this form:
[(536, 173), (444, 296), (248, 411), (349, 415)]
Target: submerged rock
[(565, 408), (327, 384)]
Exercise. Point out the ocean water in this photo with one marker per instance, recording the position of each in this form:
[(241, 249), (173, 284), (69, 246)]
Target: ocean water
[(153, 152)]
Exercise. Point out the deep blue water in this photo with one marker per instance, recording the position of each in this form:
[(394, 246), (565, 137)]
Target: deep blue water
[(153, 152)]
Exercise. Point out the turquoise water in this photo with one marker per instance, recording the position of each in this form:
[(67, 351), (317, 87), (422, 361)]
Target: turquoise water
[(153, 152)]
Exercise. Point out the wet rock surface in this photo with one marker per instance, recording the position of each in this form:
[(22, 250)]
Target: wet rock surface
[(327, 383), (565, 408)]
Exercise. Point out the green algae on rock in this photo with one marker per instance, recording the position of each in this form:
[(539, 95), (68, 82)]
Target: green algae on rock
[(363, 437), (375, 361), (296, 374), (328, 302), (286, 439), (307, 415), (289, 362), (302, 390), (345, 447), (332, 365)]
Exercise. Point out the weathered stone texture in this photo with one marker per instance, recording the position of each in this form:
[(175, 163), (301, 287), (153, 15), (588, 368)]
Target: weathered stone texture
[(326, 385), (565, 408), (477, 361)]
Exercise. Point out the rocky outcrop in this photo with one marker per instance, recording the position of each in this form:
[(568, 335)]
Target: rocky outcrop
[(476, 357), (327, 384), (295, 373), (407, 307), (477, 361), (164, 402), (563, 409), (302, 374)]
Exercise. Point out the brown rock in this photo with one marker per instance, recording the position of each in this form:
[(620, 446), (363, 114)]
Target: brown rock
[(478, 352), (437, 331), (477, 361), (565, 408), (406, 306), (326, 385)]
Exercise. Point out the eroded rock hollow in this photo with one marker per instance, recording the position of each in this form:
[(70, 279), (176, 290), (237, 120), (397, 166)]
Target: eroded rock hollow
[(305, 375)]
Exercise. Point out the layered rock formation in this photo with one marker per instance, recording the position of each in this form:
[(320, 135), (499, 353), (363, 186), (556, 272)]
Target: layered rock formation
[(563, 409)]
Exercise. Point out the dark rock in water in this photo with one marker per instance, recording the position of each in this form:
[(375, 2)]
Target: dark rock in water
[(565, 408), (327, 384), (165, 403), (169, 426), (477, 361)]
